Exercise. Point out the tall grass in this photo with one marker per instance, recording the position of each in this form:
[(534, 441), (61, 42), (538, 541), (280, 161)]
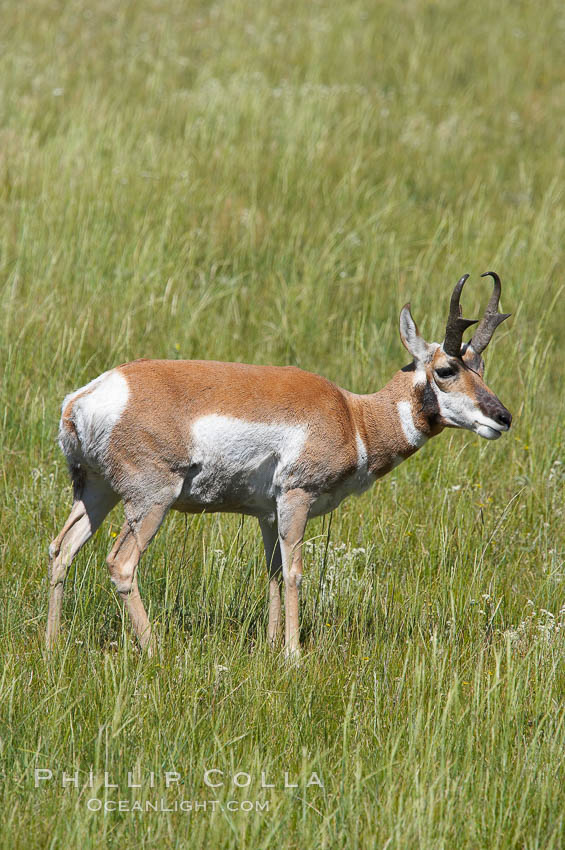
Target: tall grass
[(270, 183)]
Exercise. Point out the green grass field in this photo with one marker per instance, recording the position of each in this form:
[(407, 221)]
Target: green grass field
[(270, 183)]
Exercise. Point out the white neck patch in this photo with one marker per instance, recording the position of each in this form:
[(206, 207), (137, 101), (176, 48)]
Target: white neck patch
[(420, 378), (413, 435), (362, 457)]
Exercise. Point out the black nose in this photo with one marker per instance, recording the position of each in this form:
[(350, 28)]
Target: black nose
[(504, 417)]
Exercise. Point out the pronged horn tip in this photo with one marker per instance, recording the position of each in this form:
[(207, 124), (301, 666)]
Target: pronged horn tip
[(456, 325), (491, 319), (493, 275)]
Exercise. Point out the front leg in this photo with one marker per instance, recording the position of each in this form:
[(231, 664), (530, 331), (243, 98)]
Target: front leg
[(292, 510)]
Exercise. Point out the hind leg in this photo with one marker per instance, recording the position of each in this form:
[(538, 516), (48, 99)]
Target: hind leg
[(133, 540), (274, 565), (92, 503)]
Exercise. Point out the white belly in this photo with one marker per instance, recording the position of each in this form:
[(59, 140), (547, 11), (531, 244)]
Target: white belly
[(237, 464)]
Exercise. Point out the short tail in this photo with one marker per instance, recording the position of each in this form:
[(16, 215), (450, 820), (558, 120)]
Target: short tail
[(68, 437)]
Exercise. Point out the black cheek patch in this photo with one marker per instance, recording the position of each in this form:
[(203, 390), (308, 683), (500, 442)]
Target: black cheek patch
[(428, 404)]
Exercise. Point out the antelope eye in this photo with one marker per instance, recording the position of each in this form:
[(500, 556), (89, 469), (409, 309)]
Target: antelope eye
[(446, 372)]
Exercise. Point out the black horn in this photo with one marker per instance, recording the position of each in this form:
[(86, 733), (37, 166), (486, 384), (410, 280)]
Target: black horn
[(492, 318), (456, 325)]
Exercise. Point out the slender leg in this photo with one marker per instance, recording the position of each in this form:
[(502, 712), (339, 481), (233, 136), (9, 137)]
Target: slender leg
[(133, 540), (292, 511), (89, 509), (274, 565)]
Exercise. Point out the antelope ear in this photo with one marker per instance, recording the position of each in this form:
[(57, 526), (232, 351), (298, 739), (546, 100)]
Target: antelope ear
[(473, 360), (410, 336)]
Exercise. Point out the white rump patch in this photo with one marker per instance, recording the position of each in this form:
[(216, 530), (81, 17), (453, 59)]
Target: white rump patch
[(98, 406), (413, 435)]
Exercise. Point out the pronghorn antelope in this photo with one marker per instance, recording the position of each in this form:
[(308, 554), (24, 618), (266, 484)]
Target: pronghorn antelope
[(279, 444)]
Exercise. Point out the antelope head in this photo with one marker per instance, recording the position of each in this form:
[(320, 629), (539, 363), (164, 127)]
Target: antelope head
[(449, 377)]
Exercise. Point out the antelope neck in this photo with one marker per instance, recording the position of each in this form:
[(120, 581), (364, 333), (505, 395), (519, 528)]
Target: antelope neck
[(396, 421)]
